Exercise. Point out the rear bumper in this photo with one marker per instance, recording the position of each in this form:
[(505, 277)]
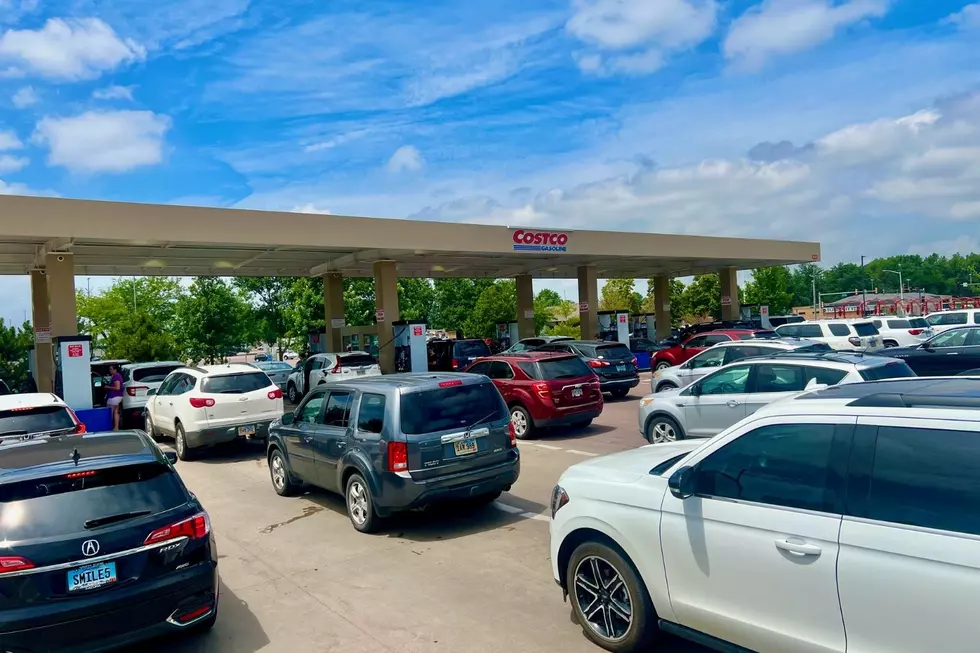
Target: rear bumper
[(400, 493), (103, 625), (209, 436), (608, 385), (573, 416)]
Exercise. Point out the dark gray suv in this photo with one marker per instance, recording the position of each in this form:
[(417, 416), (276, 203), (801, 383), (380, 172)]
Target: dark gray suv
[(397, 442)]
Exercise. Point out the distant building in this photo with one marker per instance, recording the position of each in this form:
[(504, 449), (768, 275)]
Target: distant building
[(913, 303)]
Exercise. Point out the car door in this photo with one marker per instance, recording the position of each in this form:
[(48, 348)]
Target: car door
[(971, 353), (942, 355), (479, 367), (692, 348), (503, 377), (751, 557), (716, 402), (330, 437), (704, 363), (772, 381), (369, 421), (320, 369), (161, 405), (910, 538), (298, 437)]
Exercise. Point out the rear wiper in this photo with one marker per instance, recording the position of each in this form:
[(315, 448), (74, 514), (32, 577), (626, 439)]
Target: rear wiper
[(481, 420), (112, 519)]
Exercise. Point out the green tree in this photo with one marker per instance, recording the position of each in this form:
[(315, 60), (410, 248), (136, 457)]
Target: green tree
[(771, 287), (496, 303), (702, 298), (268, 300), (416, 298), (304, 311), (15, 343), (620, 294), (803, 279), (547, 298), (678, 305), (359, 308), (212, 318), (455, 299)]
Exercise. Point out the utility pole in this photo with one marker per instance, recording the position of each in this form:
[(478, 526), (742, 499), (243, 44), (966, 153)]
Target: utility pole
[(901, 288), (813, 284), (864, 291)]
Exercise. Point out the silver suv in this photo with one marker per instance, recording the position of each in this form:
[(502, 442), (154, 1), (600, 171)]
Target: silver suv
[(722, 398), (726, 353)]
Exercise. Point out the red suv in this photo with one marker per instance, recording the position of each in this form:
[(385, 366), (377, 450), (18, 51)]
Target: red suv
[(698, 342), (543, 389)]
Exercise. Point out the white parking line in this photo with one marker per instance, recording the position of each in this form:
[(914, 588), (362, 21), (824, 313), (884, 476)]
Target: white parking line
[(519, 512), (581, 453), (546, 446)]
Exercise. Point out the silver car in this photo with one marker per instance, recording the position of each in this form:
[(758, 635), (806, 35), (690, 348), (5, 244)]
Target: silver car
[(726, 353), (277, 371), (722, 398)]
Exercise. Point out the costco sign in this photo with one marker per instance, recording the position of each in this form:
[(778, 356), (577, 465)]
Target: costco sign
[(526, 240)]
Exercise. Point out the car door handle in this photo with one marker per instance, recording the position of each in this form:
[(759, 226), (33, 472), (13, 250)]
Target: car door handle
[(798, 547), (341, 444), (308, 439), (732, 403), (243, 399)]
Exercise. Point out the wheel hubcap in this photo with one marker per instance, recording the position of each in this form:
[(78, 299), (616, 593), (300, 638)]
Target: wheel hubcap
[(278, 471), (603, 598), (357, 502), (519, 421), (180, 442), (663, 432)]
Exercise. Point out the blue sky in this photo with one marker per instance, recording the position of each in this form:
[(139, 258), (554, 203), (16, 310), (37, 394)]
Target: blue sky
[(851, 122)]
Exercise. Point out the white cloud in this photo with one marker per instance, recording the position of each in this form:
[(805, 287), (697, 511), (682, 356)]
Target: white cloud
[(9, 141), (406, 158), (70, 49), (15, 188), (25, 97), (336, 141), (106, 141), (634, 36), (309, 208), (967, 18), (780, 27), (114, 93), (10, 163)]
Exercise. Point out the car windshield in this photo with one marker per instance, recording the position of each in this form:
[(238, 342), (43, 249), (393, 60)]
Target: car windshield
[(40, 419), (893, 370), (274, 367), (236, 383), (155, 374), (865, 329), (615, 352), (455, 407), (556, 368), (471, 348)]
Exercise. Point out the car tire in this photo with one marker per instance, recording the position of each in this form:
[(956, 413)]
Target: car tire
[(149, 428), (627, 607), (523, 424), (619, 393), (279, 474), (184, 452), (666, 386), (663, 429), (360, 505), (292, 394), (890, 343), (662, 365)]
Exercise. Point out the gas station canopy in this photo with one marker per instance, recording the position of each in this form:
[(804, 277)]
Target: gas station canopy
[(113, 239)]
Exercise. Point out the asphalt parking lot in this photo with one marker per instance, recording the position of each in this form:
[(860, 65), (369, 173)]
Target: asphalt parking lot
[(297, 577)]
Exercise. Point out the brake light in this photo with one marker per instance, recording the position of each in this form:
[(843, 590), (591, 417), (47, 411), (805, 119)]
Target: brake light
[(194, 614), (336, 368), (201, 402), (397, 457), (79, 426), (512, 433), (542, 389), (634, 361), (854, 340), (450, 384), (193, 528), (131, 391), (595, 362), (455, 364), (275, 394), (915, 332), (14, 563), (84, 474)]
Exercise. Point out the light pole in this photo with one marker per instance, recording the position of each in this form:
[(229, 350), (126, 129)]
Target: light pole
[(901, 288), (864, 290)]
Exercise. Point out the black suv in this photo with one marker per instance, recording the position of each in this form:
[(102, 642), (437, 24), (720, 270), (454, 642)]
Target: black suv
[(454, 355), (397, 442), (613, 363), (104, 546)]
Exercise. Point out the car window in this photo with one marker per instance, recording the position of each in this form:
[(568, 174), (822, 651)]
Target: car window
[(557, 368), (947, 319), (809, 331), (39, 419), (926, 477), (784, 465), (521, 346), (894, 324), (316, 363), (310, 411), (839, 329), (154, 374), (698, 341), (877, 323), (338, 409), (824, 375), (501, 370), (714, 339), (616, 352), (760, 335), (185, 383), (710, 358), (168, 384), (471, 349), (729, 381), (454, 407), (973, 340), (357, 360), (779, 378), (865, 329), (817, 346), (483, 367), (954, 338), (893, 370), (371, 414), (918, 323), (733, 354), (236, 384), (976, 317), (788, 331)]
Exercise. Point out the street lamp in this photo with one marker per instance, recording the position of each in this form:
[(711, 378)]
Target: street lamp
[(864, 290), (901, 288)]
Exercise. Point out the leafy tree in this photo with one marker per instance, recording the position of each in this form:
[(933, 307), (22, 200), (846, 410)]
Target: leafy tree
[(801, 283), (15, 344), (702, 299), (563, 330), (212, 318), (416, 298), (771, 287), (620, 294), (359, 308), (304, 311), (678, 304), (268, 297), (455, 299), (496, 303), (547, 298)]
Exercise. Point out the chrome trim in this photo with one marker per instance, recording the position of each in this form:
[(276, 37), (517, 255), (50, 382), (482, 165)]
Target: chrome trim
[(170, 620), (910, 527), (465, 435), (593, 404), (94, 561)]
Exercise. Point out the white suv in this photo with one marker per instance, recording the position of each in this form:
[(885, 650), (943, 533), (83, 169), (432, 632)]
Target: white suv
[(902, 331), (843, 335), (35, 415), (322, 368), (203, 406), (944, 320), (138, 380), (840, 520)]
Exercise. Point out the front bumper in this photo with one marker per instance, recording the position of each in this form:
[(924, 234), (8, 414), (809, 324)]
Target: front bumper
[(220, 435)]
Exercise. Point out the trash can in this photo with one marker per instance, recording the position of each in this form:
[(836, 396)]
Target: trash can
[(96, 419)]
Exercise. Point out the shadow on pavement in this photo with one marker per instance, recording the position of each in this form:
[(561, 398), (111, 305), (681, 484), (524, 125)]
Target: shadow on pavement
[(232, 452), (566, 434)]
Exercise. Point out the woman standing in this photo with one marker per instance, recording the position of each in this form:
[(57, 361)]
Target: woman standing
[(114, 396)]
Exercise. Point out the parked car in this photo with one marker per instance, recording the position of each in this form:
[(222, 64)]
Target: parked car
[(952, 352), (100, 379), (543, 389), (278, 371), (531, 343), (289, 355), (948, 319), (34, 415), (203, 406), (139, 379), (724, 353), (321, 368), (695, 344), (455, 355), (842, 335), (779, 320), (808, 527), (612, 362), (115, 550), (396, 443), (902, 331), (715, 402), (263, 358)]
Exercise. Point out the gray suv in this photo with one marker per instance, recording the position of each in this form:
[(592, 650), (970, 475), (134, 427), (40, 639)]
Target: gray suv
[(397, 442)]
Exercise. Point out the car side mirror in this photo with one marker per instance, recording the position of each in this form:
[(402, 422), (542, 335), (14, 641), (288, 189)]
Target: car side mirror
[(927, 346), (171, 457), (151, 392), (683, 482), (288, 418), (695, 389)]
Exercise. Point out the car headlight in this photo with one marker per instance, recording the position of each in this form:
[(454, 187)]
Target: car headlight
[(558, 499), (657, 373), (646, 401)]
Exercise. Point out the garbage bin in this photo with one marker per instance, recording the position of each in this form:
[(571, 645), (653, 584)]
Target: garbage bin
[(96, 419)]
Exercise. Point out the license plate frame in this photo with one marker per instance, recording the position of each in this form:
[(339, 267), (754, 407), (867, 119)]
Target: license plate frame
[(246, 431), (466, 447), (620, 368), (98, 580), (576, 392)]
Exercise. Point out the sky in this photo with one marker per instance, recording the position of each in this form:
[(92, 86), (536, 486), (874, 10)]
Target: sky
[(855, 123)]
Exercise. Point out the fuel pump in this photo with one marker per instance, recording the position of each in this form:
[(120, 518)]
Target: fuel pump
[(614, 326), (410, 347), (73, 370), (622, 332), (507, 334), (607, 325)]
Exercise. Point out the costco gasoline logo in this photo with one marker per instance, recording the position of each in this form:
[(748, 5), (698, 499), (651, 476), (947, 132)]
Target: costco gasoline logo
[(540, 241)]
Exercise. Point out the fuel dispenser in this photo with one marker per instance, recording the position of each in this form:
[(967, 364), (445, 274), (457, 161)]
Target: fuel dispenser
[(73, 370), (614, 326), (411, 350), (507, 334)]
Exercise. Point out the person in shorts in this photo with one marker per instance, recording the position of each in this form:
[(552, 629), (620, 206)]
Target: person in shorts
[(114, 396)]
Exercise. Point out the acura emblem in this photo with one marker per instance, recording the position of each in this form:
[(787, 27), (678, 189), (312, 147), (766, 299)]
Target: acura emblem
[(90, 548)]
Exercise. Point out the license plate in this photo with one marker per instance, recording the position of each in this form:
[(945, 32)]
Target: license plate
[(620, 368), (360, 372), (465, 447), (88, 578), (246, 430), (141, 392), (576, 392)]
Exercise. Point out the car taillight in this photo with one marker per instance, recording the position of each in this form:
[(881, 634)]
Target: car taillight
[(193, 528), (634, 361), (595, 362), (542, 389), (85, 474), (201, 402), (131, 391), (455, 364), (512, 433), (854, 340), (275, 394), (397, 457), (14, 563), (336, 368), (450, 384), (79, 426), (915, 332)]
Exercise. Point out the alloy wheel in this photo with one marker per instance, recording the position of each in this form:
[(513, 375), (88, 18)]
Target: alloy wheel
[(519, 420), (357, 502), (278, 471), (663, 432), (180, 443), (603, 598)]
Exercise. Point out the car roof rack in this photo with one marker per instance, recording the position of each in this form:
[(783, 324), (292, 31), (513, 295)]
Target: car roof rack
[(832, 356)]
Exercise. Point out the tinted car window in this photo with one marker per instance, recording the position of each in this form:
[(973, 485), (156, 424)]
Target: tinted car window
[(733, 380), (471, 348), (35, 420), (839, 329), (184, 384), (153, 374), (59, 506), (954, 338), (926, 477), (357, 360), (483, 367), (894, 324), (865, 329), (614, 352), (338, 409), (454, 407), (817, 346), (556, 368), (779, 378), (733, 354), (783, 465), (273, 366), (696, 342), (918, 323), (236, 383), (825, 375), (371, 415), (716, 338), (310, 411), (808, 331), (788, 331), (894, 370), (501, 370), (711, 358), (947, 319)]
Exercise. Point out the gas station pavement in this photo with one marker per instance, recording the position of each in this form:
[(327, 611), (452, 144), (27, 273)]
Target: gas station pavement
[(297, 577)]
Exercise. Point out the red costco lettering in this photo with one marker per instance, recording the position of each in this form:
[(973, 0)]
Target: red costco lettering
[(540, 238)]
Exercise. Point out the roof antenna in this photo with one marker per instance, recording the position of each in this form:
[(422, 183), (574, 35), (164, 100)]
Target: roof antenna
[(75, 456)]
